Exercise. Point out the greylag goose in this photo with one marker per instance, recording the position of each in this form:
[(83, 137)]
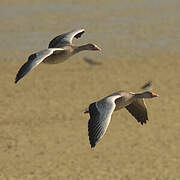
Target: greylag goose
[(60, 48), (101, 111)]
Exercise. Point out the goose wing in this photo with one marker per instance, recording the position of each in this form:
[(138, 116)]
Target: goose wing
[(138, 109), (100, 116), (33, 61), (66, 38)]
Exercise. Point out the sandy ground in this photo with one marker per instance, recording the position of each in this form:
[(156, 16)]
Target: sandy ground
[(43, 131)]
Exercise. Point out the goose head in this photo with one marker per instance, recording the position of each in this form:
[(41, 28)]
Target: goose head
[(148, 94)]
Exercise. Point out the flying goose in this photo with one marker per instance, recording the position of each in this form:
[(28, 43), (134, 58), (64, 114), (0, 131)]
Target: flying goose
[(60, 48), (101, 111)]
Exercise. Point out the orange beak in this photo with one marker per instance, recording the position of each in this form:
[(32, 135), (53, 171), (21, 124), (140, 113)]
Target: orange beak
[(97, 48), (154, 95)]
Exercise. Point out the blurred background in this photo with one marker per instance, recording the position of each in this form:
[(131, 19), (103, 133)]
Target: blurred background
[(43, 131)]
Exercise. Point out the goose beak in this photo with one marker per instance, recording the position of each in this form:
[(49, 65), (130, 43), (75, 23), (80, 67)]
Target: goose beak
[(154, 95), (97, 48)]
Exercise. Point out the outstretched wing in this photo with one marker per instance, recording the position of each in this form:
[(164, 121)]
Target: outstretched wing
[(100, 117), (138, 109), (66, 38), (33, 61)]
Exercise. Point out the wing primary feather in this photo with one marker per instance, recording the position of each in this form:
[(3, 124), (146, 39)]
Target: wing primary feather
[(100, 116), (33, 61)]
